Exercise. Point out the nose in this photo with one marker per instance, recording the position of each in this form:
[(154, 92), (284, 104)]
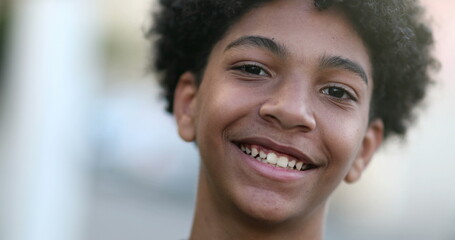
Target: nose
[(290, 107)]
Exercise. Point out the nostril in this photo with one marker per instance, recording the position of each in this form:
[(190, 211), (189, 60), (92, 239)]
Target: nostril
[(270, 117), (289, 116), (268, 112)]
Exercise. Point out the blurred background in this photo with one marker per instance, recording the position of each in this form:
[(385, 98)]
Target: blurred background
[(87, 151)]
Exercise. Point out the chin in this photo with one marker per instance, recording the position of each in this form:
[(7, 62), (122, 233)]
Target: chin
[(267, 207), (269, 216)]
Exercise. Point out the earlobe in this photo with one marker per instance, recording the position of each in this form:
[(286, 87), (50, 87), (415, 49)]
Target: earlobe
[(371, 142), (184, 101)]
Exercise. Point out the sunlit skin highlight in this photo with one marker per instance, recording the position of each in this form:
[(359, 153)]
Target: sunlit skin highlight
[(304, 89)]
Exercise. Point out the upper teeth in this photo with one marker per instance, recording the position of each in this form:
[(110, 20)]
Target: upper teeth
[(282, 162), (254, 152), (273, 159), (262, 154)]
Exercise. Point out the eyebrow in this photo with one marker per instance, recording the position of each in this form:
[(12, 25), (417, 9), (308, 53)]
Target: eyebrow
[(343, 63), (280, 50), (261, 42)]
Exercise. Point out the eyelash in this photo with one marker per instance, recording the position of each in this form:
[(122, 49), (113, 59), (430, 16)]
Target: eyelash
[(244, 69), (345, 92)]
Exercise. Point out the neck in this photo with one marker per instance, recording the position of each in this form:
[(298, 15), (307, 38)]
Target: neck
[(217, 219)]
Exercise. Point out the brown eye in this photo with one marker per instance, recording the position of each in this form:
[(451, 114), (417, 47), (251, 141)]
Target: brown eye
[(337, 92), (252, 69)]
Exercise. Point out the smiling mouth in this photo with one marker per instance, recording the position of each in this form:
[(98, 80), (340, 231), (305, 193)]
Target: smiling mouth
[(274, 158)]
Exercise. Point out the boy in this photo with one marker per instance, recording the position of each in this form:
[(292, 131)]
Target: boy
[(285, 99)]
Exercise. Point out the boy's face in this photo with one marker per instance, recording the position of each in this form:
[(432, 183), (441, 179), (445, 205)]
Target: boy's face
[(288, 80)]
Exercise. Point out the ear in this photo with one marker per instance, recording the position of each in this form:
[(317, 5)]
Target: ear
[(184, 102), (371, 142)]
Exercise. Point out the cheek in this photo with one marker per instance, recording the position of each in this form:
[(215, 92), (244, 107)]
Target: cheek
[(342, 139), (219, 105), (222, 103)]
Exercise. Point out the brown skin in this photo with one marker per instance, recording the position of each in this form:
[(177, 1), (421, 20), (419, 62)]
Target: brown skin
[(288, 100)]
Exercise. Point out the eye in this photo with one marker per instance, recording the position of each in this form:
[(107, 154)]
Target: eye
[(252, 69), (339, 93)]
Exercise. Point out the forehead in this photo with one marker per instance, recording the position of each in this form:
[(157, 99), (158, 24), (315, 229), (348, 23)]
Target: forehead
[(304, 30)]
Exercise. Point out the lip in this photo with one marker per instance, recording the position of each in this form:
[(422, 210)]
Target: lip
[(272, 172), (288, 150)]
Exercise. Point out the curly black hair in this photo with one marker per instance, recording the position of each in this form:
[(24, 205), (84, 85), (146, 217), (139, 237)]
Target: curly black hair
[(398, 39)]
